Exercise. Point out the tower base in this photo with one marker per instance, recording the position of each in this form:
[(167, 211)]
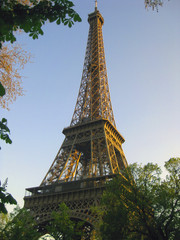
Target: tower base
[(80, 196)]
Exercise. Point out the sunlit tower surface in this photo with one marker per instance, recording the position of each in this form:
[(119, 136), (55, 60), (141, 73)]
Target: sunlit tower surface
[(91, 153)]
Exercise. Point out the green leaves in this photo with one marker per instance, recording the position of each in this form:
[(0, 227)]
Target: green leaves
[(173, 166), (2, 90), (20, 225), (4, 131), (58, 21), (5, 198), (77, 18), (61, 227), (3, 123), (139, 203), (14, 15)]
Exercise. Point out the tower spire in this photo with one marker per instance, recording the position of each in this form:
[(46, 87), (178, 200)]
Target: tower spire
[(95, 5)]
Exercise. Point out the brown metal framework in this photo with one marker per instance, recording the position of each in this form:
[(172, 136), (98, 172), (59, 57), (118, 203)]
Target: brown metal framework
[(89, 150), (94, 101), (92, 151), (92, 146)]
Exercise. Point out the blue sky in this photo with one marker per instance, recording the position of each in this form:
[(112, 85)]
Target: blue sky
[(142, 51)]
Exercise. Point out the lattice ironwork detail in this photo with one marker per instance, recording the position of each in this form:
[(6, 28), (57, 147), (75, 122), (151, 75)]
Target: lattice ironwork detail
[(93, 100), (90, 150), (79, 196)]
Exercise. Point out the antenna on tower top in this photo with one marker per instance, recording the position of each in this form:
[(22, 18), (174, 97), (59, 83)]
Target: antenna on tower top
[(95, 5)]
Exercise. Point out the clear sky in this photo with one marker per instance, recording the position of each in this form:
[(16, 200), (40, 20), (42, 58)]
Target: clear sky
[(142, 51)]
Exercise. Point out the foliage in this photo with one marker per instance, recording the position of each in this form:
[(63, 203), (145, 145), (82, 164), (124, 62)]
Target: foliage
[(31, 17), (154, 4), (5, 197), (3, 220), (20, 226), (2, 90), (4, 131), (140, 205), (12, 60), (61, 227)]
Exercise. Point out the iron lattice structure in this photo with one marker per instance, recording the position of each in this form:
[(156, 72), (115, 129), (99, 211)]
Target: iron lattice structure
[(92, 146), (92, 151), (94, 101)]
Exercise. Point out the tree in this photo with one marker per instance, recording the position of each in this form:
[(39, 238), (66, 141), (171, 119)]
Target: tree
[(5, 197), (12, 60), (139, 204), (16, 14), (61, 227), (3, 220), (20, 225)]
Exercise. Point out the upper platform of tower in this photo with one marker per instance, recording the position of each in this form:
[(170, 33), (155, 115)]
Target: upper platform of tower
[(95, 15)]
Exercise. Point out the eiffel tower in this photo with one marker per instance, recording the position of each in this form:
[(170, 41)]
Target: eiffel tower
[(91, 153)]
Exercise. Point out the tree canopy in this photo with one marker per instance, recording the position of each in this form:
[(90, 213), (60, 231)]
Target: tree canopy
[(32, 15), (62, 227), (19, 225), (139, 204)]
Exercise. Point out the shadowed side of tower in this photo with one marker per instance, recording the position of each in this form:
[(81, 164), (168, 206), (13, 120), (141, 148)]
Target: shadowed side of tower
[(92, 151)]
